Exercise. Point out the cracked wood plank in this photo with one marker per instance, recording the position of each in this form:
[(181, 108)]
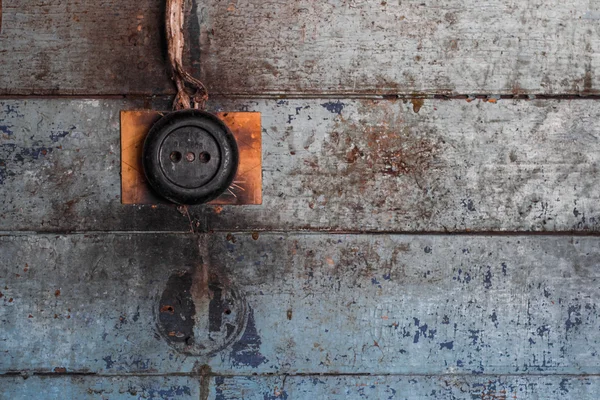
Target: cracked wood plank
[(344, 165), (316, 303)]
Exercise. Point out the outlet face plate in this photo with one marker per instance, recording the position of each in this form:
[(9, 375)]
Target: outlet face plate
[(189, 157), (247, 184)]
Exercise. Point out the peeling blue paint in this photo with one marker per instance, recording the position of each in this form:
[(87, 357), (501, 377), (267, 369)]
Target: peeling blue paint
[(422, 331), (563, 386), (109, 362), (11, 110), (55, 136), (474, 335), (334, 107), (170, 393), (466, 278), (487, 279), (247, 350), (6, 130), (468, 204), (447, 345), (574, 317)]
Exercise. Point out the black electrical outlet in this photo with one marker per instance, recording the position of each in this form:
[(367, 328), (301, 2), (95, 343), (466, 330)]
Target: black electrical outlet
[(190, 157)]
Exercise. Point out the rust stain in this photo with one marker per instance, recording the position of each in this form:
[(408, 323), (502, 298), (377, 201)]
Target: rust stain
[(57, 292), (353, 155), (230, 238), (395, 153), (60, 370), (168, 309), (289, 314), (417, 104), (255, 235)]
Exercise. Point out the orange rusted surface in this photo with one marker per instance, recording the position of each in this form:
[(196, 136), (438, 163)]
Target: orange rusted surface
[(247, 185)]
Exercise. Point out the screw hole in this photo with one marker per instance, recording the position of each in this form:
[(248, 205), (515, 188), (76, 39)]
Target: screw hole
[(227, 311), (204, 157), (175, 156), (190, 156)]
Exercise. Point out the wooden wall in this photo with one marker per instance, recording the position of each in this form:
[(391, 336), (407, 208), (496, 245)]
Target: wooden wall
[(431, 203)]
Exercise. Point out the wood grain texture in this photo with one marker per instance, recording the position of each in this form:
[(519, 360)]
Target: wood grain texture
[(93, 388), (318, 303), (400, 47), (424, 166), (302, 48), (59, 169), (327, 165), (83, 47), (411, 387)]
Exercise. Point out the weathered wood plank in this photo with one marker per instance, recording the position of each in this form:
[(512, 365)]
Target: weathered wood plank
[(317, 303), (357, 46), (59, 169), (454, 165), (343, 166), (333, 47), (92, 387), (410, 387), (83, 47)]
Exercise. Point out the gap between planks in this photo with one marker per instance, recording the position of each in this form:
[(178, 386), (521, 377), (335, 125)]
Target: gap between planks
[(28, 374), (312, 232), (307, 96)]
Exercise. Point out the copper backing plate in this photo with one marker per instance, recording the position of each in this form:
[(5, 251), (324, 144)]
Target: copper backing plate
[(247, 184)]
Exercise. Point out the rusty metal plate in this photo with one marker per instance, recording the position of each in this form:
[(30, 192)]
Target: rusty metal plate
[(247, 184)]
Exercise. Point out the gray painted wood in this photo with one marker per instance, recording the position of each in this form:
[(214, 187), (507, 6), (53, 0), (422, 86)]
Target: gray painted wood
[(406, 387), (83, 47), (357, 47), (334, 47), (91, 387), (327, 165), (318, 303), (60, 169)]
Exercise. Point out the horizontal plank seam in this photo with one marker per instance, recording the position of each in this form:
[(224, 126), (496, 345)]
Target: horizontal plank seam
[(311, 96), (312, 232), (26, 374)]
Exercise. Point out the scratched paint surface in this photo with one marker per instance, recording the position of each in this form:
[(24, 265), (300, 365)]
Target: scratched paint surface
[(90, 387), (317, 303), (408, 387), (405, 249), (305, 47), (327, 164), (360, 46)]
